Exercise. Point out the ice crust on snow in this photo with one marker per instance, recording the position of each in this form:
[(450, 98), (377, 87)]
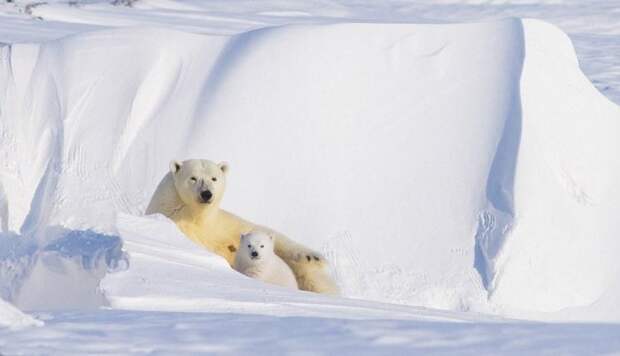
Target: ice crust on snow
[(460, 167)]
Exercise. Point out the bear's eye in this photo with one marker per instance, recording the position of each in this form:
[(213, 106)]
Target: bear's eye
[(261, 246), (214, 179), (249, 245), (193, 179)]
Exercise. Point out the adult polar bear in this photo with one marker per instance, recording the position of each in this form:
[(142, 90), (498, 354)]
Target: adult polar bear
[(190, 195)]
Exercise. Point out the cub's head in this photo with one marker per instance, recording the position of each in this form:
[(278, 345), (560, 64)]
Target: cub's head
[(198, 181), (256, 245)]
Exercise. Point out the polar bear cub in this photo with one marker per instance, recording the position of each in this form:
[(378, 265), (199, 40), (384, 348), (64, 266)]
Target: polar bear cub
[(256, 259)]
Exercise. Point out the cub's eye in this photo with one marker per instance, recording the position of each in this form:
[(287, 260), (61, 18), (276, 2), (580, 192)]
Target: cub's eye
[(249, 245), (214, 179), (261, 246), (193, 179)]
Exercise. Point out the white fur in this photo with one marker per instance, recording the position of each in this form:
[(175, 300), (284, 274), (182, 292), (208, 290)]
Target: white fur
[(265, 265)]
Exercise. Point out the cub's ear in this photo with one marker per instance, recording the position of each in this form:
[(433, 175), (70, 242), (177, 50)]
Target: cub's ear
[(223, 166), (175, 166)]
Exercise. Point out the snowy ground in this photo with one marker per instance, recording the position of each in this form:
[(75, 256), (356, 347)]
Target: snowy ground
[(492, 157), (135, 332)]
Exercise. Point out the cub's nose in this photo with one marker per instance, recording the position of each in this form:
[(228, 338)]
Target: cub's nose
[(254, 254), (206, 196)]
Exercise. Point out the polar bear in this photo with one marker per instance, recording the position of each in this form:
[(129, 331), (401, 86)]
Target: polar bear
[(190, 195), (255, 258)]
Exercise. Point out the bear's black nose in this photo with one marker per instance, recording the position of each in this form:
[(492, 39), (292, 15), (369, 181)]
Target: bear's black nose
[(254, 254), (206, 196)]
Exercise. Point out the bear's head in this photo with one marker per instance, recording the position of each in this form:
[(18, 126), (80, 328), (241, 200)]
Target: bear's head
[(256, 245), (199, 182)]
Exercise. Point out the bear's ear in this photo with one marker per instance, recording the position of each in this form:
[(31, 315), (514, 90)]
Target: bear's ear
[(223, 166), (175, 166)]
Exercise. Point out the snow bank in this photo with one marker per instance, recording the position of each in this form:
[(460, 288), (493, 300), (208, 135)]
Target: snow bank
[(62, 274), (562, 238), (168, 273), (448, 166)]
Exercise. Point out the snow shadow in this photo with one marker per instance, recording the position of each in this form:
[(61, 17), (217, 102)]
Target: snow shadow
[(495, 222), (63, 274)]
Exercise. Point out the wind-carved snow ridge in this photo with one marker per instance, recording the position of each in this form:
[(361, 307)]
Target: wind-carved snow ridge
[(46, 265), (62, 274), (496, 221)]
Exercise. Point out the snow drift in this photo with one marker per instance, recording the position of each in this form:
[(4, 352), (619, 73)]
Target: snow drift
[(461, 167)]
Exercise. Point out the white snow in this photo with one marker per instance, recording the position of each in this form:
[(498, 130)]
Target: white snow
[(13, 318), (453, 174), (116, 332), (562, 243), (592, 25)]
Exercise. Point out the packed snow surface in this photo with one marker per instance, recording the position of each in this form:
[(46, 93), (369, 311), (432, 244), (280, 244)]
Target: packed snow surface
[(467, 168)]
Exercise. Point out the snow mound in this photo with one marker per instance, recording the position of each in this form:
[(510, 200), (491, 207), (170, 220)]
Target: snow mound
[(62, 274), (560, 242), (463, 167)]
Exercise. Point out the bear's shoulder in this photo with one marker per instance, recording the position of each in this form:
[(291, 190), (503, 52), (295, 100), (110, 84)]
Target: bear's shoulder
[(165, 199)]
